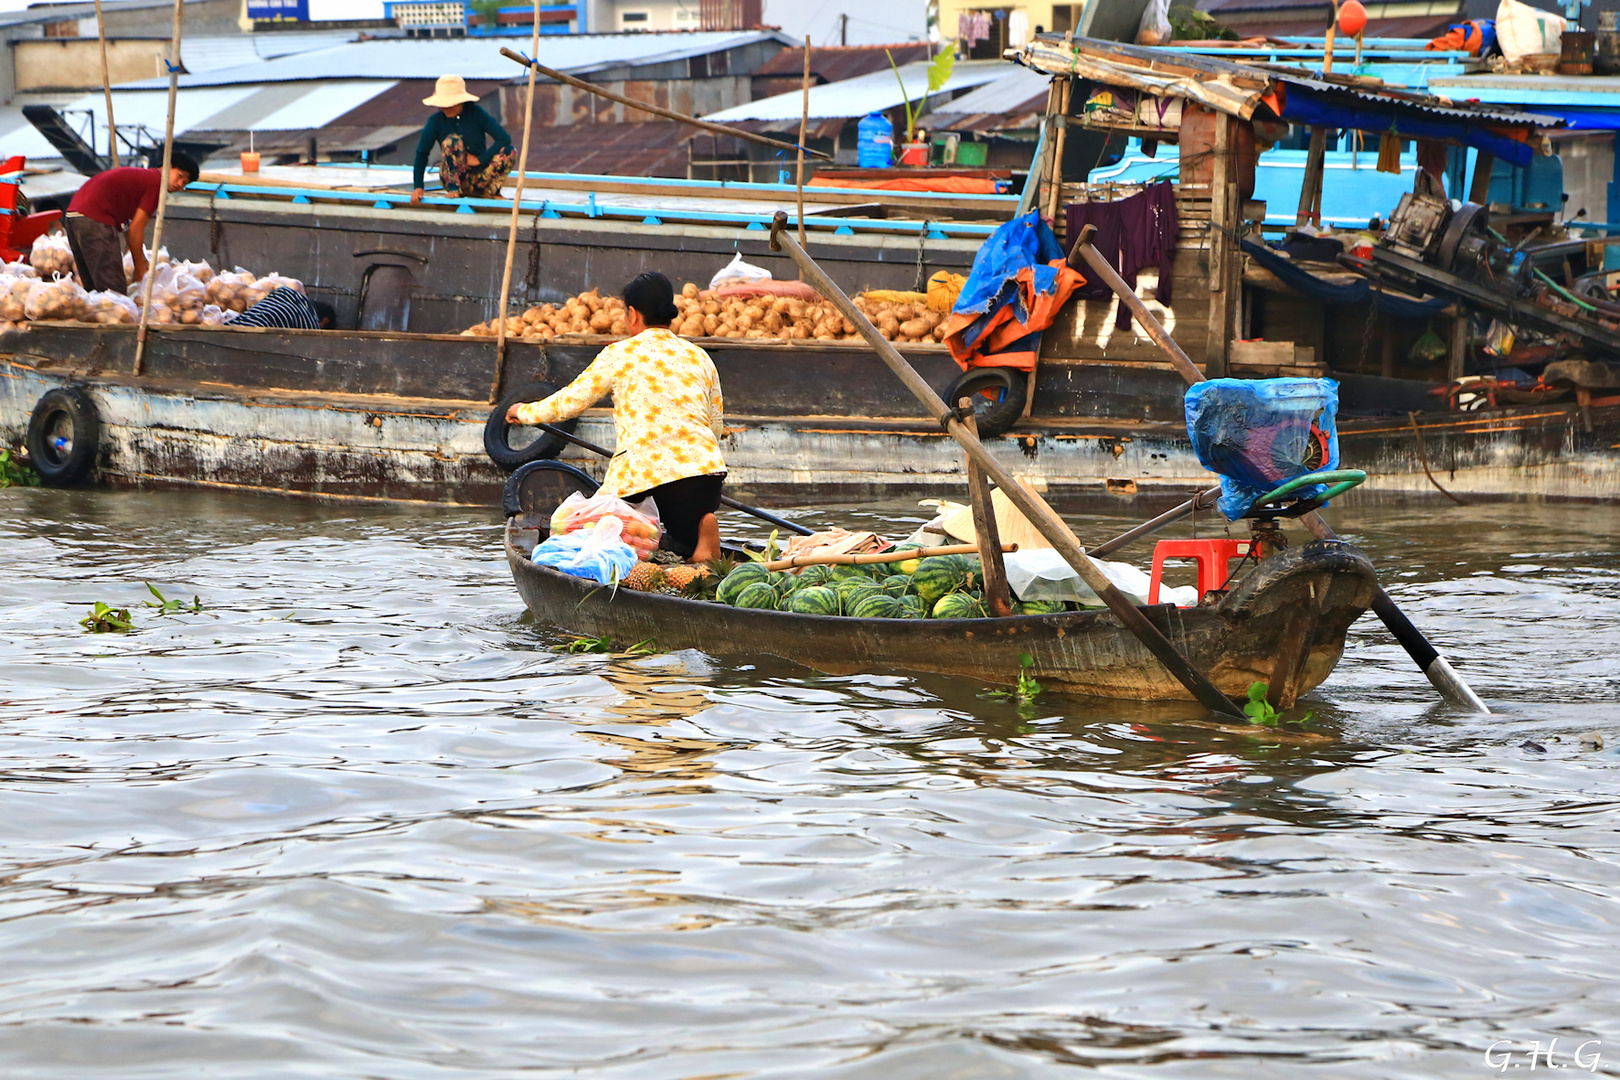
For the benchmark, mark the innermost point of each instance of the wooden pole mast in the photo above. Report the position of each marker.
(512, 230)
(163, 189)
(106, 88)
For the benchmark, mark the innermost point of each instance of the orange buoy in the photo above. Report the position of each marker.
(1352, 18)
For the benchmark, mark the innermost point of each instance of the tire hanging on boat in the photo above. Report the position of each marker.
(497, 431)
(539, 487)
(997, 393)
(64, 434)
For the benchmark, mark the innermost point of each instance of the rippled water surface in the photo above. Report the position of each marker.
(359, 818)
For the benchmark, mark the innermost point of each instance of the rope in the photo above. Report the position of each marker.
(1423, 457)
(531, 277)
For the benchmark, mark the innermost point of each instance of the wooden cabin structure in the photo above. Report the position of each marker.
(1218, 116)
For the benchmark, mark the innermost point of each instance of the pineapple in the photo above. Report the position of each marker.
(679, 577)
(645, 576)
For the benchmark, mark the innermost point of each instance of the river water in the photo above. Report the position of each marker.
(357, 817)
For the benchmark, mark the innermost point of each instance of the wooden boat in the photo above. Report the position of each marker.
(1284, 624)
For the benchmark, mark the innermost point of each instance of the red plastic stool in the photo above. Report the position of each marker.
(1212, 556)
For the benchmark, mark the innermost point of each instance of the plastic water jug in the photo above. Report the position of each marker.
(874, 142)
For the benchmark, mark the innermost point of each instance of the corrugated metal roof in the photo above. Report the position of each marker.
(876, 92)
(1234, 88)
(201, 54)
(1010, 93)
(321, 105)
(472, 58)
(838, 62)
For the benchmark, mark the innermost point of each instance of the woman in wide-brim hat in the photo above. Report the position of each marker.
(478, 152)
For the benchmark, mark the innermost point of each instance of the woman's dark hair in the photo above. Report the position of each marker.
(653, 296)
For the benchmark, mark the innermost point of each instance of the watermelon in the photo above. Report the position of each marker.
(816, 575)
(914, 606)
(756, 594)
(740, 578)
(1039, 607)
(853, 593)
(783, 582)
(880, 605)
(839, 574)
(897, 584)
(813, 600)
(907, 566)
(938, 575)
(958, 606)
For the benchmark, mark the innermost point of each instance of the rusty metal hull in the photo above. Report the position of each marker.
(400, 417)
(1285, 622)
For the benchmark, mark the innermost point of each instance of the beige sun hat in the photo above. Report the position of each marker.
(449, 90)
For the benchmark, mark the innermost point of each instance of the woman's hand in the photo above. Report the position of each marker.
(471, 160)
(512, 414)
(416, 197)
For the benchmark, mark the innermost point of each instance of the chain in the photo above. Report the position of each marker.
(216, 231)
(531, 279)
(1366, 338)
(921, 237)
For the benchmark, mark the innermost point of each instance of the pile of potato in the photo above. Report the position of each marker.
(706, 314)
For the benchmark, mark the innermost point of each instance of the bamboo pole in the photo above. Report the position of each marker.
(1434, 666)
(804, 127)
(106, 88)
(648, 107)
(869, 558)
(1047, 523)
(163, 190)
(997, 595)
(512, 230)
(1055, 201)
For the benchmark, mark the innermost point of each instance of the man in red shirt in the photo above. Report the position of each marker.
(101, 209)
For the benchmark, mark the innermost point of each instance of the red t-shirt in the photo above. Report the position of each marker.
(113, 197)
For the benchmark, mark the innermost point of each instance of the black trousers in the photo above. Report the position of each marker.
(97, 252)
(682, 506)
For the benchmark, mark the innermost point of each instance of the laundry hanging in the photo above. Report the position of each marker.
(1133, 234)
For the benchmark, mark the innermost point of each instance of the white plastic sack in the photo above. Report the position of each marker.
(1522, 30)
(596, 553)
(1154, 29)
(737, 272)
(1041, 574)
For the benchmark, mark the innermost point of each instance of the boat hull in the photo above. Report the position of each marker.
(400, 417)
(1285, 624)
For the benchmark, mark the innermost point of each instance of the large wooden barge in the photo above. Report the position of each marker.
(396, 408)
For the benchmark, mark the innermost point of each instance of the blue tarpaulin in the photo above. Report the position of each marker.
(1256, 433)
(1303, 106)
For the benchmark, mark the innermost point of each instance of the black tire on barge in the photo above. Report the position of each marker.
(64, 433)
(997, 393)
(497, 431)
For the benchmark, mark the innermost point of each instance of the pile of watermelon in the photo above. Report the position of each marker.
(938, 587)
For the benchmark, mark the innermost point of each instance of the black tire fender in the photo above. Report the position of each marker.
(538, 488)
(64, 435)
(1004, 407)
(497, 430)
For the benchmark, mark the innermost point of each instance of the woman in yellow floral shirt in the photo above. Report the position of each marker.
(666, 418)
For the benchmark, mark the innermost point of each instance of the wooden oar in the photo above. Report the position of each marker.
(1204, 500)
(867, 558)
(1426, 656)
(1039, 514)
(765, 516)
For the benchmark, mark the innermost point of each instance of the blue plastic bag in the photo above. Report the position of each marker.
(596, 553)
(1256, 434)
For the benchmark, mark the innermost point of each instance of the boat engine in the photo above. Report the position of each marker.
(1455, 241)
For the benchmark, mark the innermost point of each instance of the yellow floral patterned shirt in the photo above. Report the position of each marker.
(666, 409)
